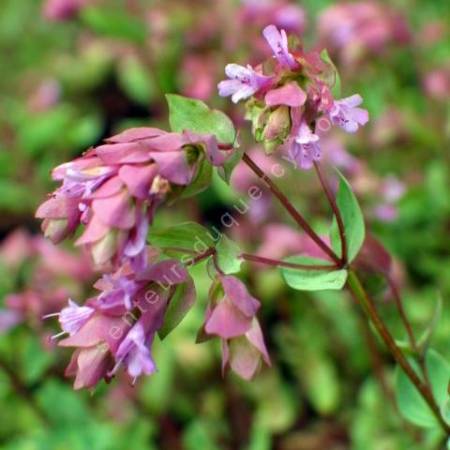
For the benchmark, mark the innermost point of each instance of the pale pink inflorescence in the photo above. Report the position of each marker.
(293, 106)
(111, 193)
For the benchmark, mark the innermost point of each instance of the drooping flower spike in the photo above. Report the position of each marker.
(117, 327)
(114, 190)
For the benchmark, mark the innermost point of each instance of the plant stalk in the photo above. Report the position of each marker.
(299, 219)
(358, 292)
(289, 265)
(336, 212)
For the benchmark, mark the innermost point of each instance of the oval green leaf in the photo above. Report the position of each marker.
(352, 218)
(313, 279)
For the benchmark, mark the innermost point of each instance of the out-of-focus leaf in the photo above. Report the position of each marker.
(85, 131)
(311, 279)
(157, 391)
(136, 81)
(198, 435)
(42, 131)
(411, 404)
(228, 255)
(277, 406)
(424, 339)
(194, 115)
(114, 23)
(336, 89)
(62, 404)
(34, 359)
(201, 181)
(322, 383)
(439, 375)
(352, 218)
(179, 305)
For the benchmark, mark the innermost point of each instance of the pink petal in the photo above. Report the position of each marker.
(135, 134)
(108, 188)
(291, 95)
(95, 230)
(256, 338)
(236, 291)
(116, 211)
(93, 364)
(244, 358)
(227, 321)
(173, 166)
(165, 142)
(126, 153)
(99, 328)
(138, 179)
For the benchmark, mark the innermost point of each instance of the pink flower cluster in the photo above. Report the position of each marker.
(112, 192)
(53, 274)
(355, 28)
(293, 105)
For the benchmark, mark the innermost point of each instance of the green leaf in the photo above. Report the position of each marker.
(115, 24)
(411, 404)
(321, 380)
(228, 256)
(186, 235)
(424, 339)
(312, 279)
(439, 375)
(352, 218)
(200, 433)
(336, 79)
(135, 80)
(194, 115)
(230, 164)
(201, 181)
(445, 409)
(179, 305)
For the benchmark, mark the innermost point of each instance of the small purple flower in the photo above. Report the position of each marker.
(134, 353)
(346, 114)
(278, 41)
(243, 82)
(304, 148)
(72, 318)
(118, 291)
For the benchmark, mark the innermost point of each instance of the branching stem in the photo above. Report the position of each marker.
(336, 212)
(299, 219)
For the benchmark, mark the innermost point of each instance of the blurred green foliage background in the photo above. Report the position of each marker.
(67, 84)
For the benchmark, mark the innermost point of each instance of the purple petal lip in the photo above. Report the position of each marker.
(278, 42)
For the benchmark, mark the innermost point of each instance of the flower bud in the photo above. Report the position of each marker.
(277, 128)
(103, 250)
(55, 229)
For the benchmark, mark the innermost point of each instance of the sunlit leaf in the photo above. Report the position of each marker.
(352, 218)
(194, 115)
(313, 279)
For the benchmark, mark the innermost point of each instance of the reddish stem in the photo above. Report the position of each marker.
(336, 212)
(300, 220)
(278, 263)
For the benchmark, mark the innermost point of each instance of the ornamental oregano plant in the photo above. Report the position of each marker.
(111, 194)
